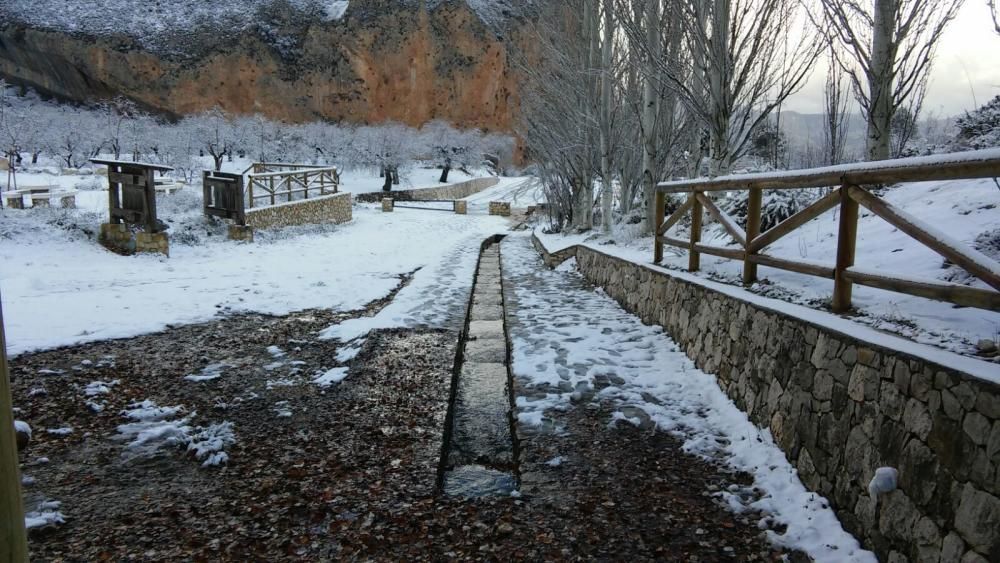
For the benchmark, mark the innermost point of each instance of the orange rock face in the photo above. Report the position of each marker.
(407, 66)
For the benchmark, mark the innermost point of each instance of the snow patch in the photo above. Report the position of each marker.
(331, 377)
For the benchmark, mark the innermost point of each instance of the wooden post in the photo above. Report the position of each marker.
(846, 245)
(13, 541)
(697, 214)
(250, 191)
(660, 201)
(150, 197)
(114, 200)
(271, 180)
(756, 198)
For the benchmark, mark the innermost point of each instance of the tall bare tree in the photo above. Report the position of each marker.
(888, 49)
(745, 59)
(606, 114)
(993, 12)
(835, 104)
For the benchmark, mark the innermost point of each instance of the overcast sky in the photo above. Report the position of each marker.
(966, 70)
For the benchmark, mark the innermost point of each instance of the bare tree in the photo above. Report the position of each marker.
(993, 12)
(835, 103)
(744, 61)
(888, 49)
(606, 114)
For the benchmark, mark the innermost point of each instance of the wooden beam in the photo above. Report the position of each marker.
(727, 222)
(755, 200)
(676, 216)
(659, 209)
(674, 241)
(824, 204)
(964, 167)
(731, 253)
(973, 262)
(931, 289)
(794, 266)
(846, 245)
(13, 540)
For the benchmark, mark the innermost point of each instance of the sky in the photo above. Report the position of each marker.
(965, 74)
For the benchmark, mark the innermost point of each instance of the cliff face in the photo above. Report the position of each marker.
(406, 63)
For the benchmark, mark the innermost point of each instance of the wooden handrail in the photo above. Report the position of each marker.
(960, 166)
(848, 196)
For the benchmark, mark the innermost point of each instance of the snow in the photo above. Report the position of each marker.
(157, 25)
(96, 388)
(61, 288)
(331, 377)
(22, 427)
(884, 481)
(520, 192)
(45, 514)
(208, 373)
(62, 431)
(207, 444)
(960, 211)
(158, 427)
(568, 338)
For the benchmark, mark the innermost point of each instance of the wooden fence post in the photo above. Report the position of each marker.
(660, 201)
(754, 203)
(697, 214)
(846, 246)
(13, 541)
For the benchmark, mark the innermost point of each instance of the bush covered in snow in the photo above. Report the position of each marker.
(980, 129)
(777, 205)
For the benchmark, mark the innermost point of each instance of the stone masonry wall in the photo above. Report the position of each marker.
(326, 209)
(840, 408)
(454, 191)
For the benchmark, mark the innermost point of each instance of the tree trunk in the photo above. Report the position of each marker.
(444, 171)
(607, 184)
(650, 110)
(395, 175)
(218, 161)
(880, 80)
(720, 89)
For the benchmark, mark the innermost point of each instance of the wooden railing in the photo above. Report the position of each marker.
(271, 186)
(848, 193)
(265, 167)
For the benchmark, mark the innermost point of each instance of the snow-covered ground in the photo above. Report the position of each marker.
(565, 335)
(963, 210)
(59, 287)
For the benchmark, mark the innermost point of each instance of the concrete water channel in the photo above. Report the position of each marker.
(480, 456)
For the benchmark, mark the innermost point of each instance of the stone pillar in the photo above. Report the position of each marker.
(241, 233)
(461, 207)
(152, 242)
(387, 205)
(501, 208)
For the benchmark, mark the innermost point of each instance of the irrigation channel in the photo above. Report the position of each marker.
(480, 446)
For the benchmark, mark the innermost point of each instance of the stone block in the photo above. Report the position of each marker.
(461, 207)
(387, 205)
(486, 329)
(156, 243)
(500, 208)
(486, 350)
(978, 519)
(15, 202)
(240, 233)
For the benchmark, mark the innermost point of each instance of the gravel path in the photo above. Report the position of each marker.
(350, 470)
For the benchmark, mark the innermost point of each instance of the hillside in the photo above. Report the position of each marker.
(296, 60)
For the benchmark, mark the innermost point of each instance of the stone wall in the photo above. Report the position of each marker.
(454, 191)
(840, 407)
(326, 209)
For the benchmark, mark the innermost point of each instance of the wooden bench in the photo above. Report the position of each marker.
(168, 185)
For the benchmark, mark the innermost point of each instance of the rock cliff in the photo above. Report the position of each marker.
(404, 60)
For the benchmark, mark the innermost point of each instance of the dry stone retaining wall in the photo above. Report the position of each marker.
(840, 408)
(454, 191)
(326, 209)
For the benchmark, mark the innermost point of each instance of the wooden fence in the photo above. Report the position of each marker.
(266, 167)
(223, 196)
(848, 194)
(272, 187)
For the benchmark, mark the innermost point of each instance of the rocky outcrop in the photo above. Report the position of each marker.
(398, 61)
